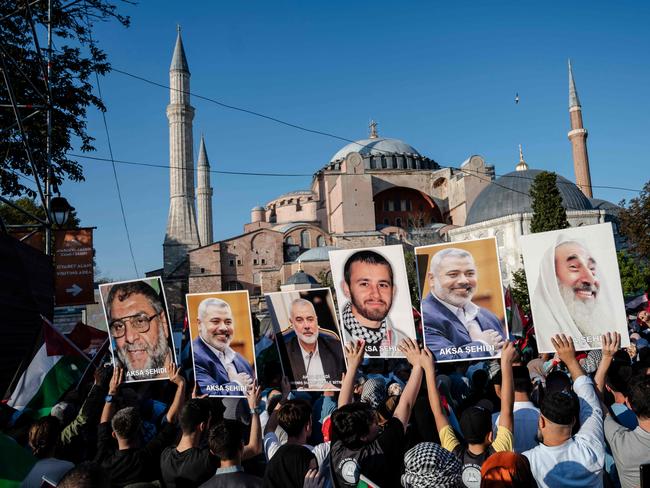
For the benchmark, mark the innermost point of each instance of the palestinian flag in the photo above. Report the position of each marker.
(15, 463)
(57, 366)
(516, 319)
(366, 483)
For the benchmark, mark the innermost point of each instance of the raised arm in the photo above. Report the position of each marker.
(179, 398)
(113, 387)
(428, 364)
(610, 344)
(508, 356)
(566, 351)
(406, 401)
(354, 351)
(272, 423)
(254, 446)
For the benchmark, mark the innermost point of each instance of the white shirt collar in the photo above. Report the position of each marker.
(465, 314)
(305, 353)
(226, 357)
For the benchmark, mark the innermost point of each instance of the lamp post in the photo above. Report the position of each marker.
(60, 210)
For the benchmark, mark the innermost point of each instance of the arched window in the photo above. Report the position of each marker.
(305, 242)
(289, 240)
(320, 241)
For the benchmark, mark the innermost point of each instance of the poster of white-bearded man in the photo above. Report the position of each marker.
(574, 286)
(373, 298)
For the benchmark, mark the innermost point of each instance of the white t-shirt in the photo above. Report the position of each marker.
(313, 367)
(580, 461)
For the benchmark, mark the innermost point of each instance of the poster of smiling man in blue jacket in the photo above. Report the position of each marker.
(460, 319)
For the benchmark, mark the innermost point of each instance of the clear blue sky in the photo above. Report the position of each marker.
(441, 76)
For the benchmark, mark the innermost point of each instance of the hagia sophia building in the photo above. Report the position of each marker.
(373, 192)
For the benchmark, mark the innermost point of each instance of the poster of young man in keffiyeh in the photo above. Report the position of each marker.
(223, 348)
(462, 304)
(138, 324)
(373, 298)
(574, 285)
(308, 338)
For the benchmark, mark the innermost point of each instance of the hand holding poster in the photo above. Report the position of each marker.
(308, 338)
(138, 324)
(373, 298)
(574, 286)
(462, 306)
(222, 342)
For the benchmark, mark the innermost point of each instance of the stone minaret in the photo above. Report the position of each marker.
(182, 234)
(578, 137)
(204, 196)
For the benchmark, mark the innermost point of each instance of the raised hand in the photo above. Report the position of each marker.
(285, 387)
(411, 350)
(427, 360)
(116, 380)
(354, 353)
(509, 354)
(174, 373)
(312, 479)
(243, 379)
(564, 347)
(253, 393)
(611, 342)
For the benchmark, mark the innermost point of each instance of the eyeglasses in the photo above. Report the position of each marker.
(140, 322)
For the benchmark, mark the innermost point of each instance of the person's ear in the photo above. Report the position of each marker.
(345, 288)
(541, 422)
(497, 390)
(113, 435)
(432, 280)
(490, 437)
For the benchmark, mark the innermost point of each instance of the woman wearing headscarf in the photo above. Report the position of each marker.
(288, 467)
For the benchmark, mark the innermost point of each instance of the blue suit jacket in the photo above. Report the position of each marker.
(210, 372)
(442, 330)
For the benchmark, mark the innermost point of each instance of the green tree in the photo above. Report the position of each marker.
(548, 212)
(74, 60)
(634, 219)
(635, 274)
(11, 216)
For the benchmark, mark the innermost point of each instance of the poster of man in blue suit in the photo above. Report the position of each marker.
(462, 304)
(222, 343)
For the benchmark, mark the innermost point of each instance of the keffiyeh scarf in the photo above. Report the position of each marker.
(428, 464)
(358, 331)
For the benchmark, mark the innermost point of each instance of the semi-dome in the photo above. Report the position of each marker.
(375, 146)
(301, 278)
(510, 194)
(320, 253)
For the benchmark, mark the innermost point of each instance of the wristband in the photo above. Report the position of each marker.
(257, 410)
(108, 398)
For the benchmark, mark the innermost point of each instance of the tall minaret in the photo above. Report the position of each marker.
(182, 234)
(204, 197)
(578, 137)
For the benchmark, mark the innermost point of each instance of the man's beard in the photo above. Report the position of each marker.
(308, 339)
(587, 315)
(156, 355)
(218, 345)
(376, 315)
(449, 297)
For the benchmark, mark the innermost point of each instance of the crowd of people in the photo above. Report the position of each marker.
(569, 419)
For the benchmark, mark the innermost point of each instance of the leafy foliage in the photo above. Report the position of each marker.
(11, 216)
(75, 57)
(635, 274)
(519, 289)
(548, 212)
(634, 218)
(412, 275)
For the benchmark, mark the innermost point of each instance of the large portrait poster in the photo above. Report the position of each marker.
(223, 348)
(138, 324)
(462, 303)
(308, 338)
(574, 285)
(373, 298)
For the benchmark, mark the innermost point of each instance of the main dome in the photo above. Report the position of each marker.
(510, 194)
(378, 146)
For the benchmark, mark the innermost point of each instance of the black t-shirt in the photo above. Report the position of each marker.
(187, 469)
(472, 464)
(380, 461)
(132, 465)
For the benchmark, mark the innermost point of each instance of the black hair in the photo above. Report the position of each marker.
(368, 257)
(351, 422)
(44, 436)
(293, 416)
(122, 291)
(618, 378)
(521, 379)
(225, 439)
(126, 423)
(639, 396)
(195, 412)
(560, 407)
(85, 475)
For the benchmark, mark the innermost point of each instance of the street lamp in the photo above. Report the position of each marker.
(60, 210)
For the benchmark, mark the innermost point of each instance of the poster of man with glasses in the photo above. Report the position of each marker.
(138, 323)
